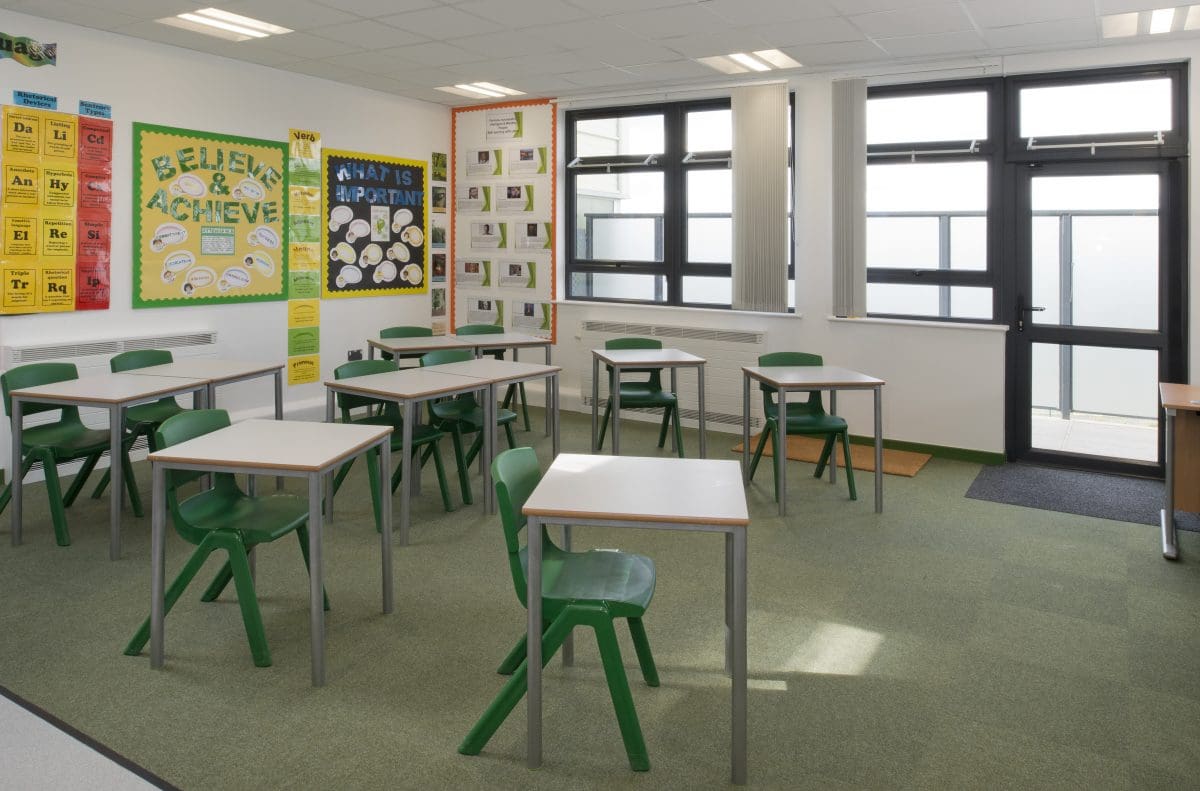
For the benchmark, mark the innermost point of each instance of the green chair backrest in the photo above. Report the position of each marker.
(655, 374)
(515, 474)
(347, 402)
(443, 356)
(406, 331)
(811, 407)
(180, 428)
(479, 329)
(35, 374)
(139, 358)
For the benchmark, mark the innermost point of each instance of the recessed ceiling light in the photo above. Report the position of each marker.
(749, 62)
(481, 90)
(1119, 25)
(223, 24)
(741, 62)
(1160, 20)
(777, 59)
(723, 64)
(1193, 18)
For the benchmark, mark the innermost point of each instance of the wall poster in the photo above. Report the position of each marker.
(304, 277)
(373, 231)
(209, 220)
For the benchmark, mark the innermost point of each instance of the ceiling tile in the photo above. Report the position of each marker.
(705, 44)
(1121, 6)
(165, 34)
(376, 82)
(367, 34)
(294, 14)
(606, 7)
(829, 54)
(142, 9)
(936, 44)
(814, 31)
(321, 68)
(75, 14)
(988, 13)
(506, 44)
(439, 53)
(524, 13)
(305, 46)
(1043, 33)
(768, 12)
(925, 20)
(500, 70)
(668, 22)
(380, 61)
(683, 69)
(442, 22)
(578, 35)
(557, 62)
(375, 8)
(630, 53)
(429, 78)
(600, 78)
(851, 7)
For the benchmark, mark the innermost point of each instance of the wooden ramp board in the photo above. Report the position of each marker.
(895, 462)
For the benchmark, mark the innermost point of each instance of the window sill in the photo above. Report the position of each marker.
(951, 325)
(641, 306)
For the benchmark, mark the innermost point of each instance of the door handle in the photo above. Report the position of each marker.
(1022, 309)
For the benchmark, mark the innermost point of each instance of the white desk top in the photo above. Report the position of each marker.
(664, 358)
(423, 344)
(810, 376)
(488, 369)
(208, 369)
(407, 383)
(683, 491)
(275, 445)
(505, 340)
(1177, 396)
(110, 389)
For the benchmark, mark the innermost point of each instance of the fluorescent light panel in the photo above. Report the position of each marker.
(742, 62)
(223, 24)
(1154, 23)
(1160, 20)
(1119, 25)
(750, 62)
(481, 90)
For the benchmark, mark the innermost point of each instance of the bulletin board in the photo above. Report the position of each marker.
(55, 210)
(502, 222)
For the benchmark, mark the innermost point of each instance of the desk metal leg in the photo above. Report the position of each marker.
(595, 399)
(675, 392)
(833, 450)
(779, 452)
(616, 410)
(703, 431)
(385, 514)
(316, 576)
(370, 351)
(279, 412)
(548, 395)
(878, 450)
(729, 604)
(406, 471)
(568, 646)
(329, 399)
(18, 471)
(738, 747)
(117, 494)
(158, 533)
(552, 424)
(489, 449)
(1170, 548)
(745, 430)
(533, 646)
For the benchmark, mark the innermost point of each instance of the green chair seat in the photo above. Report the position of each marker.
(814, 424)
(257, 520)
(648, 394)
(67, 441)
(153, 413)
(578, 589)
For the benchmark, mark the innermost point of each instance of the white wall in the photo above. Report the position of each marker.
(178, 87)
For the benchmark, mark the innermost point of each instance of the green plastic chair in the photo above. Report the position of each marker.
(803, 417)
(463, 414)
(578, 589)
(404, 331)
(513, 389)
(424, 436)
(223, 518)
(143, 419)
(648, 394)
(66, 439)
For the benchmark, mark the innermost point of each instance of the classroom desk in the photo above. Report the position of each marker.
(403, 347)
(802, 378)
(219, 372)
(516, 341)
(1181, 403)
(620, 359)
(280, 448)
(114, 392)
(658, 493)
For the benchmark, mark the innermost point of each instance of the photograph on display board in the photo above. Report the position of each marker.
(437, 268)
(527, 159)
(437, 200)
(488, 235)
(437, 164)
(374, 225)
(532, 235)
(484, 162)
(474, 198)
(530, 316)
(473, 272)
(210, 216)
(514, 197)
(517, 274)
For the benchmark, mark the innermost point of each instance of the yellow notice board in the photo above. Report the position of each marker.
(304, 370)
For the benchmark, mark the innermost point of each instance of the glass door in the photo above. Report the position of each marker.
(1095, 325)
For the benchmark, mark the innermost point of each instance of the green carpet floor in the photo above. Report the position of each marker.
(947, 644)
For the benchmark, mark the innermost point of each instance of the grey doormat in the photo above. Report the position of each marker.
(1073, 492)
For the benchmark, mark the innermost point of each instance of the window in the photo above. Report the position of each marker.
(650, 194)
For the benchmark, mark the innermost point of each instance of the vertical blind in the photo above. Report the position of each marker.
(850, 198)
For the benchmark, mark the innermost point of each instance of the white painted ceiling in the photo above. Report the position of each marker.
(575, 47)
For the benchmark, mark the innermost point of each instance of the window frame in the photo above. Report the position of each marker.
(675, 265)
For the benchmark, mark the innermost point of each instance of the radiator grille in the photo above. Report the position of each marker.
(19, 355)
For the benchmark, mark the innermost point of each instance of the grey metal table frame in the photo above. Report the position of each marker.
(116, 426)
(735, 623)
(755, 373)
(509, 340)
(316, 575)
(615, 391)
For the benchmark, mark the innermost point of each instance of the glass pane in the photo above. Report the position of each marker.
(1099, 108)
(927, 187)
(708, 290)
(961, 302)
(1111, 276)
(902, 242)
(968, 243)
(915, 119)
(635, 134)
(1096, 400)
(619, 217)
(710, 130)
(709, 237)
(605, 285)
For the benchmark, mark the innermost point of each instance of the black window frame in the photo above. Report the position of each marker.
(671, 163)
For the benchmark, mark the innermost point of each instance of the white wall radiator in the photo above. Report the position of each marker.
(726, 351)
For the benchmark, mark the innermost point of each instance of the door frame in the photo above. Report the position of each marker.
(1170, 339)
